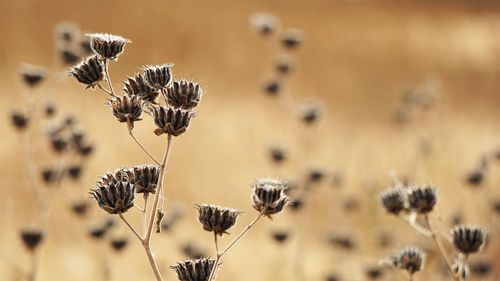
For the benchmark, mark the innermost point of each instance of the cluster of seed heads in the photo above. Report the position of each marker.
(418, 199)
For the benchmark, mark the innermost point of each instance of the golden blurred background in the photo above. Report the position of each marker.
(357, 61)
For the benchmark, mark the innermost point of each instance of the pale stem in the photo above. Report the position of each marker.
(442, 251)
(242, 234)
(130, 227)
(164, 94)
(13, 266)
(108, 79)
(214, 269)
(412, 221)
(144, 214)
(105, 90)
(130, 132)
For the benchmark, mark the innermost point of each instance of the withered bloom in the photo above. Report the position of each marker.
(393, 200)
(159, 76)
(422, 199)
(145, 178)
(32, 75)
(108, 46)
(410, 259)
(115, 177)
(89, 72)
(31, 238)
(194, 270)
(216, 219)
(19, 120)
(468, 239)
(184, 94)
(127, 109)
(115, 197)
(269, 196)
(170, 120)
(137, 86)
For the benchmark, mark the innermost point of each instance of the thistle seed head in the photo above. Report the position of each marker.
(159, 76)
(216, 219)
(468, 239)
(184, 94)
(410, 259)
(145, 178)
(137, 86)
(115, 197)
(107, 46)
(31, 238)
(393, 200)
(422, 199)
(171, 120)
(127, 109)
(19, 120)
(194, 270)
(269, 196)
(89, 72)
(32, 75)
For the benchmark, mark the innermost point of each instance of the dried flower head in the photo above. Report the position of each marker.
(264, 24)
(184, 94)
(80, 208)
(98, 232)
(127, 109)
(137, 86)
(284, 65)
(89, 72)
(272, 87)
(410, 259)
(32, 75)
(422, 199)
(145, 178)
(280, 236)
(216, 219)
(31, 238)
(107, 46)
(159, 76)
(67, 33)
(475, 178)
(58, 144)
(194, 270)
(69, 56)
(393, 200)
(119, 244)
(19, 120)
(74, 171)
(50, 175)
(277, 154)
(115, 197)
(170, 120)
(192, 251)
(269, 196)
(310, 113)
(291, 38)
(118, 175)
(468, 239)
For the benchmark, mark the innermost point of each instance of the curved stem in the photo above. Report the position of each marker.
(130, 227)
(152, 261)
(108, 79)
(105, 90)
(442, 251)
(130, 132)
(249, 226)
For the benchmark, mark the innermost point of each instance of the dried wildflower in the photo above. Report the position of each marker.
(69, 56)
(80, 208)
(172, 121)
(393, 200)
(32, 238)
(272, 87)
(74, 171)
(107, 46)
(159, 76)
(137, 86)
(277, 153)
(468, 239)
(119, 244)
(291, 38)
(97, 232)
(89, 72)
(58, 144)
(264, 24)
(269, 196)
(119, 175)
(127, 109)
(191, 251)
(194, 270)
(310, 113)
(216, 219)
(410, 259)
(19, 120)
(145, 178)
(115, 197)
(280, 236)
(422, 199)
(184, 94)
(32, 75)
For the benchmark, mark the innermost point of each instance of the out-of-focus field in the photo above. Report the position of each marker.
(357, 60)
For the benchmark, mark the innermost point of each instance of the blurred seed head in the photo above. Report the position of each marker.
(50, 175)
(475, 178)
(216, 219)
(480, 268)
(468, 239)
(31, 238)
(315, 175)
(310, 113)
(296, 204)
(332, 277)
(80, 208)
(269, 196)
(114, 197)
(19, 120)
(277, 154)
(184, 94)
(158, 76)
(191, 251)
(137, 86)
(119, 244)
(374, 273)
(292, 38)
(74, 171)
(280, 236)
(344, 242)
(284, 65)
(172, 218)
(58, 144)
(85, 47)
(422, 199)
(127, 109)
(32, 75)
(411, 259)
(50, 110)
(67, 33)
(393, 200)
(264, 24)
(171, 120)
(194, 270)
(272, 87)
(107, 46)
(69, 56)
(98, 233)
(89, 72)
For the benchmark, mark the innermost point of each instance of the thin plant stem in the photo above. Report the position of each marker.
(442, 251)
(131, 133)
(130, 227)
(34, 260)
(411, 220)
(108, 79)
(7, 261)
(217, 259)
(144, 214)
(105, 90)
(249, 226)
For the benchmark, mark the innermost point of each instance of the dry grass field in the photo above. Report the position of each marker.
(357, 61)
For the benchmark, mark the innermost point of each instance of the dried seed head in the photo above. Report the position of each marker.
(19, 120)
(277, 154)
(374, 273)
(85, 150)
(90, 71)
(184, 94)
(468, 239)
(410, 259)
(32, 75)
(80, 208)
(137, 86)
(315, 175)
(119, 175)
(50, 175)
(145, 178)
(475, 178)
(284, 65)
(393, 200)
(67, 33)
(280, 236)
(194, 270)
(74, 172)
(69, 56)
(291, 38)
(272, 87)
(269, 196)
(422, 199)
(119, 244)
(159, 76)
(191, 251)
(216, 219)
(98, 232)
(115, 197)
(107, 46)
(264, 24)
(31, 238)
(171, 120)
(127, 109)
(58, 144)
(310, 113)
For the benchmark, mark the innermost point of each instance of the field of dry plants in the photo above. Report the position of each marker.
(250, 140)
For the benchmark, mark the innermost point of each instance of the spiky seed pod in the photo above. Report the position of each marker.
(80, 208)
(393, 200)
(127, 109)
(145, 178)
(410, 259)
(32, 75)
(98, 232)
(171, 120)
(277, 154)
(184, 94)
(90, 71)
(31, 238)
(115, 198)
(468, 239)
(69, 56)
(137, 86)
(19, 120)
(216, 219)
(119, 244)
(159, 76)
(272, 87)
(280, 236)
(194, 270)
(264, 24)
(291, 38)
(107, 46)
(119, 175)
(309, 114)
(422, 199)
(269, 196)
